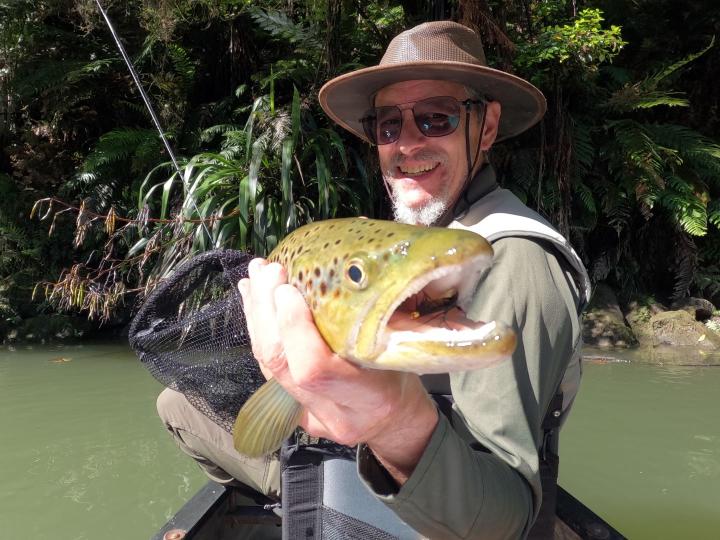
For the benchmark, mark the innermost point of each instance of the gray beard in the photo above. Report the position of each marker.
(426, 215)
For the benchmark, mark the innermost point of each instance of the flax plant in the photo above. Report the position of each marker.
(278, 171)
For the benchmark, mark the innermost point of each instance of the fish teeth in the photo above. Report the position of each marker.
(422, 281)
(446, 335)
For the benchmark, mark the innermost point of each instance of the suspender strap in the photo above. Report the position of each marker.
(551, 425)
(445, 404)
(544, 525)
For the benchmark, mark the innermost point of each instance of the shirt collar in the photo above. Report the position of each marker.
(482, 183)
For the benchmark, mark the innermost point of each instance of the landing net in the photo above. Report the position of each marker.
(192, 336)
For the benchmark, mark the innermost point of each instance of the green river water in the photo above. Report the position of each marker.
(84, 457)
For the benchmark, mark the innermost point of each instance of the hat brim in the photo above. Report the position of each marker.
(347, 98)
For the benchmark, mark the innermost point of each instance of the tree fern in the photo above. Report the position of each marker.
(685, 265)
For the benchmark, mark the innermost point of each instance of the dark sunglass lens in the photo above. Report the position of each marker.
(388, 124)
(369, 124)
(436, 117)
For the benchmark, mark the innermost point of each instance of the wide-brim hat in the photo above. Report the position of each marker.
(440, 50)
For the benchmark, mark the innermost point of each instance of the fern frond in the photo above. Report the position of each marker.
(583, 148)
(208, 134)
(118, 145)
(89, 69)
(618, 209)
(713, 212)
(45, 75)
(641, 155)
(656, 99)
(694, 149)
(707, 279)
(653, 81)
(646, 95)
(634, 97)
(278, 24)
(182, 63)
(586, 196)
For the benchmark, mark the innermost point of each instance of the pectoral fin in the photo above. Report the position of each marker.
(266, 420)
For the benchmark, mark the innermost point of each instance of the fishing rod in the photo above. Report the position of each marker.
(149, 107)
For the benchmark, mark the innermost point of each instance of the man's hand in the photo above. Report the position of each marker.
(389, 411)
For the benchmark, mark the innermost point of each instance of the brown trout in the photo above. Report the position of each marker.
(383, 295)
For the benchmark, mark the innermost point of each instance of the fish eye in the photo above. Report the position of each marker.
(355, 273)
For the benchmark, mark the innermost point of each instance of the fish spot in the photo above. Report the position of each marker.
(309, 285)
(327, 245)
(386, 256)
(323, 288)
(336, 294)
(317, 272)
(300, 275)
(390, 234)
(361, 237)
(335, 260)
(332, 272)
(337, 242)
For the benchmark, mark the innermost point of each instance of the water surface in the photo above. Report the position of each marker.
(84, 456)
(642, 449)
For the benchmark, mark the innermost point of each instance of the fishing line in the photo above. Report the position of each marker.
(149, 107)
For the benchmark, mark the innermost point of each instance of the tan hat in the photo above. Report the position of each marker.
(441, 50)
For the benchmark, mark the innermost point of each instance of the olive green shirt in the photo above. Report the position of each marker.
(462, 489)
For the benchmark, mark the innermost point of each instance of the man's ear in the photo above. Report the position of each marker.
(492, 121)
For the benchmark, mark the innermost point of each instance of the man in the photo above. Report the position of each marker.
(434, 109)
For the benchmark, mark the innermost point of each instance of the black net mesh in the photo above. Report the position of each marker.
(191, 334)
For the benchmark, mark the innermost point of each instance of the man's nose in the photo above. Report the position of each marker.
(410, 136)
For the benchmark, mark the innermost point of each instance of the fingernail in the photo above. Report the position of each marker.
(255, 265)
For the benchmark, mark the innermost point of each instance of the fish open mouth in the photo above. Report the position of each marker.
(428, 308)
(427, 320)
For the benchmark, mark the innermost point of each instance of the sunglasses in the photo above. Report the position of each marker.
(434, 117)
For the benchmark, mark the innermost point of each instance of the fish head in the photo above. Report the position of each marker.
(387, 295)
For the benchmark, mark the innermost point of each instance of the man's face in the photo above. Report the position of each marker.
(427, 174)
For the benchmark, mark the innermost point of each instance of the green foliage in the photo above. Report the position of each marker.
(581, 43)
(626, 162)
(279, 171)
(140, 148)
(612, 157)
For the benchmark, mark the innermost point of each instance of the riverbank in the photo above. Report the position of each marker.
(683, 333)
(644, 331)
